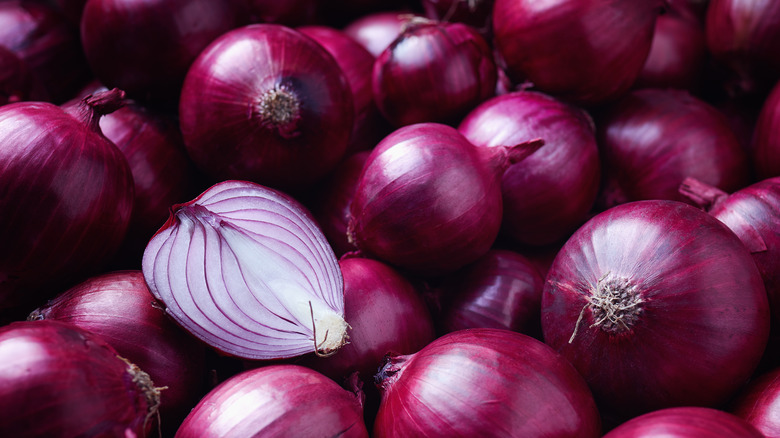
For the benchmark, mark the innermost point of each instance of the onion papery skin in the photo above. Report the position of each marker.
(427, 200)
(685, 422)
(118, 307)
(584, 51)
(652, 139)
(433, 72)
(548, 195)
(49, 47)
(57, 380)
(759, 402)
(276, 401)
(744, 36)
(484, 382)
(67, 197)
(15, 79)
(145, 48)
(502, 290)
(246, 269)
(765, 148)
(267, 104)
(657, 304)
(376, 31)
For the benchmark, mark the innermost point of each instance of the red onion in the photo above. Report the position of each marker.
(685, 422)
(376, 31)
(276, 400)
(586, 51)
(502, 290)
(429, 201)
(246, 269)
(475, 13)
(15, 81)
(657, 304)
(759, 403)
(753, 214)
(547, 196)
(765, 148)
(266, 103)
(652, 139)
(57, 380)
(46, 42)
(118, 307)
(744, 36)
(433, 72)
(145, 48)
(484, 382)
(67, 196)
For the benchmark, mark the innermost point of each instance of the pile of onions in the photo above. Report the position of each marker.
(657, 304)
(246, 269)
(57, 380)
(277, 400)
(484, 382)
(67, 196)
(759, 403)
(686, 422)
(765, 149)
(267, 104)
(549, 194)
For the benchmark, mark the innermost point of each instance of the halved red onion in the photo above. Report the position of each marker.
(685, 422)
(484, 382)
(246, 269)
(276, 401)
(765, 148)
(266, 103)
(657, 304)
(759, 403)
(377, 30)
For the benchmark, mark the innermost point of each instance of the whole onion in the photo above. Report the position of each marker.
(428, 200)
(759, 403)
(67, 196)
(118, 307)
(57, 380)
(377, 30)
(246, 269)
(146, 47)
(657, 304)
(433, 72)
(268, 104)
(276, 401)
(685, 422)
(765, 147)
(652, 139)
(547, 196)
(585, 51)
(484, 382)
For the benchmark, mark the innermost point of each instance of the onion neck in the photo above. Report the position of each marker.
(615, 304)
(706, 196)
(90, 109)
(390, 371)
(501, 157)
(279, 108)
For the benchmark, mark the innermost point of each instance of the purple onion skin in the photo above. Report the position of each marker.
(57, 380)
(146, 48)
(376, 31)
(433, 72)
(759, 402)
(693, 320)
(118, 307)
(276, 401)
(686, 422)
(765, 147)
(548, 195)
(652, 139)
(584, 51)
(484, 382)
(229, 135)
(501, 290)
(67, 200)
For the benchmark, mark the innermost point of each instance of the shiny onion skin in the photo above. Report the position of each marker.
(429, 201)
(759, 403)
(657, 304)
(548, 195)
(502, 290)
(484, 382)
(276, 401)
(146, 47)
(267, 104)
(59, 381)
(765, 147)
(652, 139)
(246, 269)
(118, 307)
(67, 196)
(433, 72)
(584, 51)
(685, 422)
(376, 31)
(744, 36)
